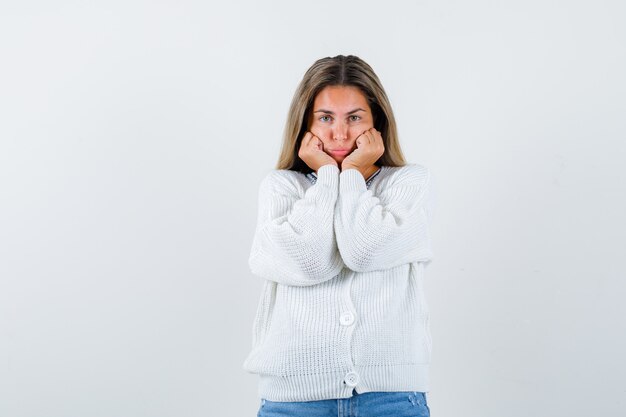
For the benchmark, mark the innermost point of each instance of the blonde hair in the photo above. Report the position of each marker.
(345, 71)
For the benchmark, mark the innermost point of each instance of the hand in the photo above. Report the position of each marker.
(312, 152)
(370, 148)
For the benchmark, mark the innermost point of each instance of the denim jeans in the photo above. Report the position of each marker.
(367, 404)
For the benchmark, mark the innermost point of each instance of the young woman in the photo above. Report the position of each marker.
(342, 242)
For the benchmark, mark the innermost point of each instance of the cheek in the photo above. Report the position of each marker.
(321, 130)
(356, 131)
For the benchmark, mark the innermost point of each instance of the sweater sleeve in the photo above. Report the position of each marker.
(383, 231)
(294, 241)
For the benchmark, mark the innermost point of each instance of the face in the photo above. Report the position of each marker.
(339, 115)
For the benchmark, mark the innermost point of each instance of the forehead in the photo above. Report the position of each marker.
(340, 97)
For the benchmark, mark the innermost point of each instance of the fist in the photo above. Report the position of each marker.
(312, 152)
(369, 149)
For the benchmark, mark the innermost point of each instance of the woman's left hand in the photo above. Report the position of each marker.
(370, 147)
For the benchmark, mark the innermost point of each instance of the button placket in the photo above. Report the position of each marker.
(351, 379)
(346, 318)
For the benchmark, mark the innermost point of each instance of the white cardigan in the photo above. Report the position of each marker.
(342, 305)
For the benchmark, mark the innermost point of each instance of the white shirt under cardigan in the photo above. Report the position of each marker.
(342, 306)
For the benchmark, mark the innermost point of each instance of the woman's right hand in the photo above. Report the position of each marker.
(312, 152)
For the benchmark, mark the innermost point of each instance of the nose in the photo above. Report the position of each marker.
(340, 131)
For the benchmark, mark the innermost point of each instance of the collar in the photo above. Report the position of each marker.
(312, 176)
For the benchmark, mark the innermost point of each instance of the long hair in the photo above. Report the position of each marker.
(344, 71)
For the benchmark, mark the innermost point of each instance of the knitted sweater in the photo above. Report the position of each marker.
(342, 306)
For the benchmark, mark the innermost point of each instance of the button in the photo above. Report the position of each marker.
(346, 318)
(351, 379)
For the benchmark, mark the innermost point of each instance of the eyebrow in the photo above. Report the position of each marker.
(330, 112)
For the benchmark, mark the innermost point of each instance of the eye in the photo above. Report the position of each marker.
(325, 118)
(355, 118)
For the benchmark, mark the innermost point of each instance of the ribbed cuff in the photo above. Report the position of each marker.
(328, 175)
(351, 180)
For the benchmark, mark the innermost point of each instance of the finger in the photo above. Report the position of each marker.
(362, 138)
(315, 141)
(366, 137)
(305, 139)
(318, 143)
(377, 136)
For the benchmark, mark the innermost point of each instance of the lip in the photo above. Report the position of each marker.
(340, 151)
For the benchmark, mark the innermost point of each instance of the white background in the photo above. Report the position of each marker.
(133, 136)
